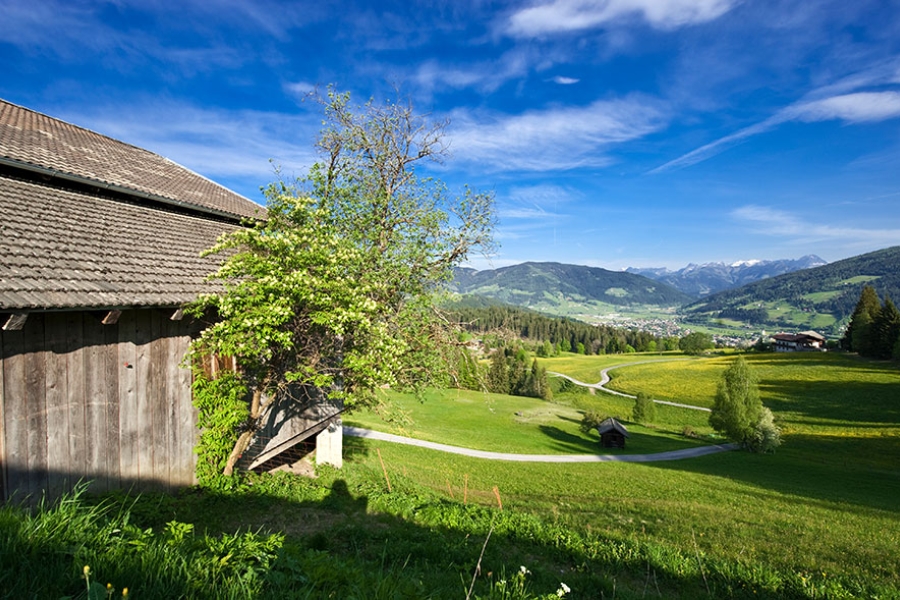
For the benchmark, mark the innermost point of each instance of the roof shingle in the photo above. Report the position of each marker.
(66, 249)
(35, 139)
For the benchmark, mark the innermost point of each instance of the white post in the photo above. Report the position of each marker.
(330, 445)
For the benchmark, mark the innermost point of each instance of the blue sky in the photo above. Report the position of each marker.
(614, 133)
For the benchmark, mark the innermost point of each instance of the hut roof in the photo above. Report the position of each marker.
(610, 425)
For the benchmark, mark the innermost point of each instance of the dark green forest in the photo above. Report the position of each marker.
(481, 315)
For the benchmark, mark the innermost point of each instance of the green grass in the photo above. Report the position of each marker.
(818, 519)
(500, 423)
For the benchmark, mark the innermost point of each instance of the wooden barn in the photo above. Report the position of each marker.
(100, 247)
(612, 433)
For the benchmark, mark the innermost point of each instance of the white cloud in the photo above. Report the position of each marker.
(487, 76)
(858, 107)
(559, 16)
(220, 144)
(552, 139)
(300, 89)
(565, 80)
(778, 223)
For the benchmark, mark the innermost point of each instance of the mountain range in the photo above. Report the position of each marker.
(819, 297)
(709, 278)
(539, 284)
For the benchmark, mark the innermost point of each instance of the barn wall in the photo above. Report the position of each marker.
(105, 403)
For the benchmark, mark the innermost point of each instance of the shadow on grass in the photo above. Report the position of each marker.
(828, 469)
(347, 535)
(342, 538)
(849, 401)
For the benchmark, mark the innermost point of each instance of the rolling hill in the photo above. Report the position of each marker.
(820, 298)
(553, 287)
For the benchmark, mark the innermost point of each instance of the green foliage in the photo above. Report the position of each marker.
(509, 374)
(221, 410)
(335, 290)
(590, 421)
(766, 435)
(696, 342)
(737, 407)
(857, 336)
(644, 409)
(874, 328)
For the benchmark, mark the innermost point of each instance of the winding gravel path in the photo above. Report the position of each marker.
(604, 379)
(545, 458)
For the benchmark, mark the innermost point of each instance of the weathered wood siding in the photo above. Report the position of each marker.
(106, 403)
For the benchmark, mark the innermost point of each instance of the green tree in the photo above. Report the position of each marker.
(737, 406)
(644, 409)
(331, 296)
(885, 330)
(766, 436)
(590, 420)
(857, 337)
(696, 342)
(498, 373)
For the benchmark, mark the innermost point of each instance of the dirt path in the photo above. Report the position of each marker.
(546, 458)
(604, 379)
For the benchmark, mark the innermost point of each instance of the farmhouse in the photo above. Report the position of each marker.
(612, 433)
(805, 341)
(100, 247)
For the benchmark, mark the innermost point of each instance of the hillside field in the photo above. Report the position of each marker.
(818, 519)
(825, 505)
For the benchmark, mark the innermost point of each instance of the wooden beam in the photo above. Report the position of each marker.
(177, 315)
(15, 322)
(112, 317)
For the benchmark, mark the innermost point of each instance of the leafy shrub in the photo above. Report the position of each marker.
(644, 409)
(590, 420)
(766, 434)
(688, 431)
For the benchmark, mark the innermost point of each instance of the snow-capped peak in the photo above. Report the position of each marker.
(746, 263)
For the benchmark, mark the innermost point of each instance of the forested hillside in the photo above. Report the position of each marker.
(480, 315)
(822, 298)
(530, 283)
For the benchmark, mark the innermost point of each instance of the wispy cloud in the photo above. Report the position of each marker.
(220, 144)
(553, 139)
(565, 80)
(853, 108)
(859, 107)
(484, 75)
(778, 223)
(560, 16)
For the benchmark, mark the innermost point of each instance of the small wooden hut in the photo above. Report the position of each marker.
(612, 433)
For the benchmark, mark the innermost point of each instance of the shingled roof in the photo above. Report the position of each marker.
(30, 139)
(90, 222)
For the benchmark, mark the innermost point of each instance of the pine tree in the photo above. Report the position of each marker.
(885, 330)
(857, 337)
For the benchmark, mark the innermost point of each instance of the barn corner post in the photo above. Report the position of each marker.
(330, 443)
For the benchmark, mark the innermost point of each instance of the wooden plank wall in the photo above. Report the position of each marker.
(80, 400)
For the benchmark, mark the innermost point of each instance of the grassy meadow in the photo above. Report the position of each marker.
(818, 519)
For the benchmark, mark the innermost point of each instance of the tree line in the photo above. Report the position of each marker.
(874, 328)
(555, 334)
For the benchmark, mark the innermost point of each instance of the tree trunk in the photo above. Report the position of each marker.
(244, 440)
